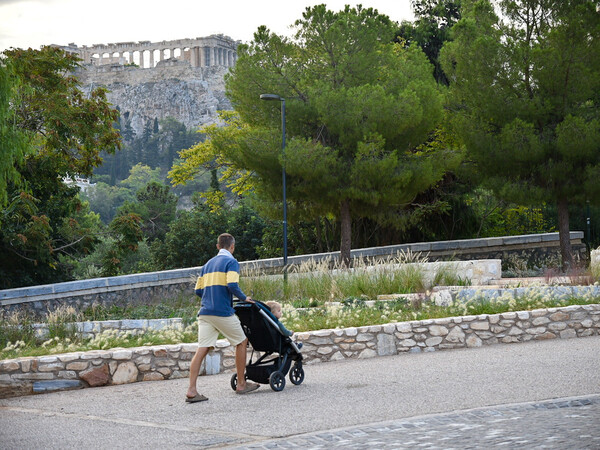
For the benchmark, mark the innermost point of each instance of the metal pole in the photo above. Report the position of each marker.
(285, 249)
(589, 228)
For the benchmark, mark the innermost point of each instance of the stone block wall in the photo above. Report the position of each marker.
(135, 326)
(126, 290)
(595, 260)
(452, 332)
(24, 376)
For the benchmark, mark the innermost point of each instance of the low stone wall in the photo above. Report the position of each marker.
(125, 290)
(448, 295)
(452, 332)
(118, 366)
(91, 329)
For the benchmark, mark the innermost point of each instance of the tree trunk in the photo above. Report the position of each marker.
(346, 229)
(564, 234)
(329, 238)
(298, 232)
(319, 235)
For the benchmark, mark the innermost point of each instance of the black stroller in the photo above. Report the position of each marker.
(266, 334)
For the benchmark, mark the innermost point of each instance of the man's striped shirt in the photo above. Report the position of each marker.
(218, 283)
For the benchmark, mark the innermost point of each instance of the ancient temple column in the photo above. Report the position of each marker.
(198, 52)
(203, 56)
(193, 57)
(151, 59)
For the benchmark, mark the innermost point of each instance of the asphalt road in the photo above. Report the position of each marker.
(532, 395)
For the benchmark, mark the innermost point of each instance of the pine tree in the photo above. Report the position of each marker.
(358, 107)
(524, 91)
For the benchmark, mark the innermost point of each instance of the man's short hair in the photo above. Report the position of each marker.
(225, 240)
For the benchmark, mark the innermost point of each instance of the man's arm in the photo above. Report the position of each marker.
(233, 278)
(199, 289)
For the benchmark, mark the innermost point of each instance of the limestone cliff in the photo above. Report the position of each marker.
(191, 95)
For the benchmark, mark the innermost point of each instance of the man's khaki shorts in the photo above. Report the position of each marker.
(210, 326)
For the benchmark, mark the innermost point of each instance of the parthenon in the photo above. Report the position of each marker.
(214, 50)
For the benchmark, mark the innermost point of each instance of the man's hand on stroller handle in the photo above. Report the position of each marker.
(249, 300)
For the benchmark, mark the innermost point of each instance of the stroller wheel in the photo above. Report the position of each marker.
(297, 374)
(234, 381)
(277, 381)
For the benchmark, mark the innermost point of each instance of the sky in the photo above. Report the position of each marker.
(33, 23)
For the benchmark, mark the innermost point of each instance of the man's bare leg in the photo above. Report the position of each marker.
(240, 364)
(195, 370)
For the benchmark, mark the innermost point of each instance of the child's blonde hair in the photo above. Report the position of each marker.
(273, 305)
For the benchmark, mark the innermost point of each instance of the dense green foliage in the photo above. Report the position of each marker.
(524, 96)
(192, 237)
(156, 147)
(45, 227)
(431, 29)
(14, 141)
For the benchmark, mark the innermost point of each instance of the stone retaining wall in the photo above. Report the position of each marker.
(24, 376)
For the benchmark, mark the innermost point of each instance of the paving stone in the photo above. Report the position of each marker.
(554, 424)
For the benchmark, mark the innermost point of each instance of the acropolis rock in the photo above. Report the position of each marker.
(182, 79)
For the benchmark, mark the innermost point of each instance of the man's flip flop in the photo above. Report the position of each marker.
(249, 388)
(197, 398)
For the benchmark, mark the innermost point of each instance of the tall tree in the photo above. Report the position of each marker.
(431, 29)
(525, 100)
(191, 238)
(156, 206)
(14, 141)
(67, 130)
(358, 106)
(173, 136)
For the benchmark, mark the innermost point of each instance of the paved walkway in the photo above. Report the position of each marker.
(560, 423)
(536, 395)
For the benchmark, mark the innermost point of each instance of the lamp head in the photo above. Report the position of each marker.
(270, 97)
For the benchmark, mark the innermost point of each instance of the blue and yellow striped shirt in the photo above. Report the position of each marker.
(218, 283)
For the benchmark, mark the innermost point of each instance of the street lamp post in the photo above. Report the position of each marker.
(282, 100)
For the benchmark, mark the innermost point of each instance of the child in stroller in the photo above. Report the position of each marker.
(266, 334)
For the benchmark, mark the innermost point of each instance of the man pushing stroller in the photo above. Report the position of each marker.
(216, 285)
